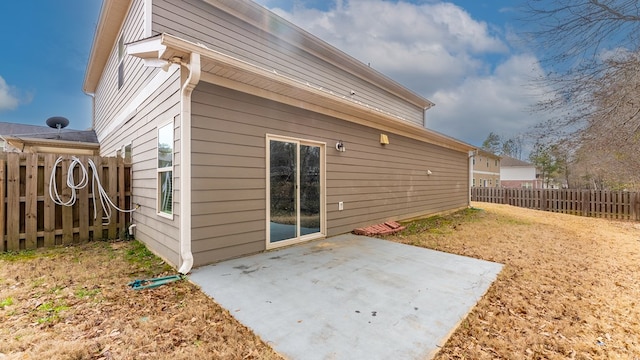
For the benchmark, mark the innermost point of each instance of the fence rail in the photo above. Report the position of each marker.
(31, 219)
(623, 205)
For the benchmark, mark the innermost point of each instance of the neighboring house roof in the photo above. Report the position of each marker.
(488, 154)
(43, 139)
(509, 161)
(25, 131)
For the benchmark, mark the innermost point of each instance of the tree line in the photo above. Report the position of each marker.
(591, 52)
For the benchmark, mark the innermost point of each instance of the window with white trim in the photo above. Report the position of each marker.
(121, 53)
(165, 169)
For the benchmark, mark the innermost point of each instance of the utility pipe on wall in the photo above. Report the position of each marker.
(192, 79)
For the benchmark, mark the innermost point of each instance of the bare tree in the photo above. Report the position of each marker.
(592, 51)
(580, 39)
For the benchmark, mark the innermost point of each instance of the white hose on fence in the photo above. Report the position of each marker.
(84, 180)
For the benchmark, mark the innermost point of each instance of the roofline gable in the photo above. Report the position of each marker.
(112, 15)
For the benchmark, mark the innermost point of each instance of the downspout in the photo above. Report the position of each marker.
(472, 154)
(185, 160)
(424, 114)
(424, 117)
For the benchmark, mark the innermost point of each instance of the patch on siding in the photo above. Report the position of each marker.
(386, 228)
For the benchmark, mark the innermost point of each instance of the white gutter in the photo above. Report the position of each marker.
(185, 160)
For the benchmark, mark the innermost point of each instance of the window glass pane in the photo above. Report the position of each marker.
(283, 172)
(120, 75)
(127, 152)
(165, 146)
(166, 185)
(121, 51)
(309, 189)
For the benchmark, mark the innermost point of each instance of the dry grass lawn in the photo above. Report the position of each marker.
(74, 303)
(570, 287)
(569, 290)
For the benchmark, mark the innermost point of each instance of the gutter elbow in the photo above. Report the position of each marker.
(187, 263)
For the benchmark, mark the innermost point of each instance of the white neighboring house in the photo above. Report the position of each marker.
(515, 173)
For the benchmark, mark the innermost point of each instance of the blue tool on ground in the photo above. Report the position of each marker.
(153, 283)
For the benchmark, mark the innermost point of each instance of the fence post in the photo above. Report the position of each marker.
(83, 203)
(31, 201)
(67, 211)
(97, 222)
(113, 195)
(13, 202)
(49, 220)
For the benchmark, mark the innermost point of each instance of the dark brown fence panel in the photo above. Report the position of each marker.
(31, 219)
(621, 205)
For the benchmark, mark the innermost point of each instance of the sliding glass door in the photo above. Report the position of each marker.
(296, 191)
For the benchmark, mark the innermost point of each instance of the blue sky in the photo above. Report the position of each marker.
(47, 44)
(463, 55)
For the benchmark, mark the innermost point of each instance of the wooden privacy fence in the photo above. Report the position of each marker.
(32, 220)
(623, 205)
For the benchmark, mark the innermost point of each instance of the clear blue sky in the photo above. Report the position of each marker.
(46, 47)
(459, 54)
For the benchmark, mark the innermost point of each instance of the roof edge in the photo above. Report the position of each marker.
(51, 142)
(271, 23)
(112, 15)
(165, 45)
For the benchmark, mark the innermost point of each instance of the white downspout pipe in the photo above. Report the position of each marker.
(424, 117)
(185, 160)
(472, 154)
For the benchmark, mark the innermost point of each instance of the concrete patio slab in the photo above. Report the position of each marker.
(350, 297)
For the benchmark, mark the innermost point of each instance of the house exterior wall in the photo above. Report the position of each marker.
(519, 177)
(486, 170)
(375, 182)
(229, 128)
(518, 173)
(130, 115)
(200, 22)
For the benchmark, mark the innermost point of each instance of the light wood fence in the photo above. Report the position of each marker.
(32, 220)
(623, 205)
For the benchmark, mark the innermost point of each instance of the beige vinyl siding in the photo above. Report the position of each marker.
(109, 100)
(159, 233)
(139, 128)
(375, 183)
(199, 22)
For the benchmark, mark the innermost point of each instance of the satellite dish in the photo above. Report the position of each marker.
(57, 122)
